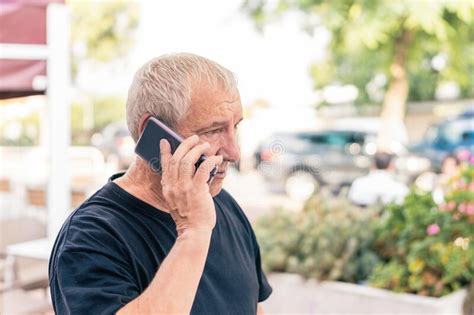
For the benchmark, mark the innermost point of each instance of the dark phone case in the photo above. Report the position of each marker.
(148, 145)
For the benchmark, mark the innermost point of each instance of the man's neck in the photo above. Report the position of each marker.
(143, 184)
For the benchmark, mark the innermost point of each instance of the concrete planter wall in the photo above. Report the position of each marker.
(294, 295)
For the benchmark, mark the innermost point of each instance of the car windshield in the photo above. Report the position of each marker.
(455, 132)
(336, 138)
(303, 141)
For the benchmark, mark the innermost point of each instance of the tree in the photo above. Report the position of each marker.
(101, 30)
(398, 39)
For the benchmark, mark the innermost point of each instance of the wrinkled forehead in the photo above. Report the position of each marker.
(212, 105)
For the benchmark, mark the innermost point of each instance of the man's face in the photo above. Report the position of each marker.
(214, 116)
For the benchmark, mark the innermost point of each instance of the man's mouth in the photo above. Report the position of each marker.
(222, 171)
(221, 174)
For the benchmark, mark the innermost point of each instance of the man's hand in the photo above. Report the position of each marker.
(174, 287)
(185, 189)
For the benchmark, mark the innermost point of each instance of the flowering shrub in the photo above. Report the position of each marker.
(427, 248)
(418, 247)
(328, 240)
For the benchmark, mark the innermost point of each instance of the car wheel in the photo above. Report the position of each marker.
(300, 185)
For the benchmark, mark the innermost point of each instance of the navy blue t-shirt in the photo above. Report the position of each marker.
(110, 248)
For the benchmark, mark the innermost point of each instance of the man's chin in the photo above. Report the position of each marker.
(216, 186)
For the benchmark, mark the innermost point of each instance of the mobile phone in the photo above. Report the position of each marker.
(148, 145)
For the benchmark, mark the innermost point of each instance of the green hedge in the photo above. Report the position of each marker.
(418, 247)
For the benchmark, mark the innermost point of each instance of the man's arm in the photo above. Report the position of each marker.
(174, 287)
(260, 309)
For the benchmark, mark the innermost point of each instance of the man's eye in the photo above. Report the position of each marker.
(214, 131)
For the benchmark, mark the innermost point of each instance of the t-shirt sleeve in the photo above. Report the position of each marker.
(264, 287)
(89, 274)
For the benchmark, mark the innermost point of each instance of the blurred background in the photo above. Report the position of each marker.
(357, 147)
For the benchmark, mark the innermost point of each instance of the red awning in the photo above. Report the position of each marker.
(22, 22)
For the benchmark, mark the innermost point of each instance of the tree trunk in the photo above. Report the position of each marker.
(394, 105)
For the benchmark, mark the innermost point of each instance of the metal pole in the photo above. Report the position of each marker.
(59, 125)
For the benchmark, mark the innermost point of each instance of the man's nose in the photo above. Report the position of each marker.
(230, 148)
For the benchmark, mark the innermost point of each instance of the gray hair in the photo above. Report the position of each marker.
(163, 87)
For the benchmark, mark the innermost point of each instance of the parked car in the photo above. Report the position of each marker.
(116, 144)
(446, 137)
(300, 162)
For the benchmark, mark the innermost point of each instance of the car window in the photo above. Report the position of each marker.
(336, 139)
(317, 139)
(358, 137)
(455, 132)
(328, 139)
(468, 137)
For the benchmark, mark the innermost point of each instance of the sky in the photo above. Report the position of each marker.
(273, 65)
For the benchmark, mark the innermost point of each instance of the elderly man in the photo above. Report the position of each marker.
(169, 242)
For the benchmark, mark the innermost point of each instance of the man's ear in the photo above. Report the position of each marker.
(141, 124)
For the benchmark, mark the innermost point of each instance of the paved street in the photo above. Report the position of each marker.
(254, 197)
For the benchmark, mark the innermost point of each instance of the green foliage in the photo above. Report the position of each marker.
(329, 240)
(428, 249)
(77, 117)
(364, 33)
(416, 247)
(101, 30)
(28, 127)
(279, 239)
(106, 28)
(105, 110)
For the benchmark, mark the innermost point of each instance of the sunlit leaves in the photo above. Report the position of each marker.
(104, 28)
(364, 33)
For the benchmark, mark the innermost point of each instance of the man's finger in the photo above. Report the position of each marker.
(187, 167)
(165, 156)
(205, 169)
(175, 160)
(185, 146)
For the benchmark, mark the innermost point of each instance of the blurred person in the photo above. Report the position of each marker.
(166, 243)
(449, 168)
(379, 184)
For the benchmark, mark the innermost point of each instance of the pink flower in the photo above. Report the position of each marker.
(433, 229)
(462, 207)
(451, 205)
(471, 160)
(470, 209)
(471, 186)
(464, 155)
